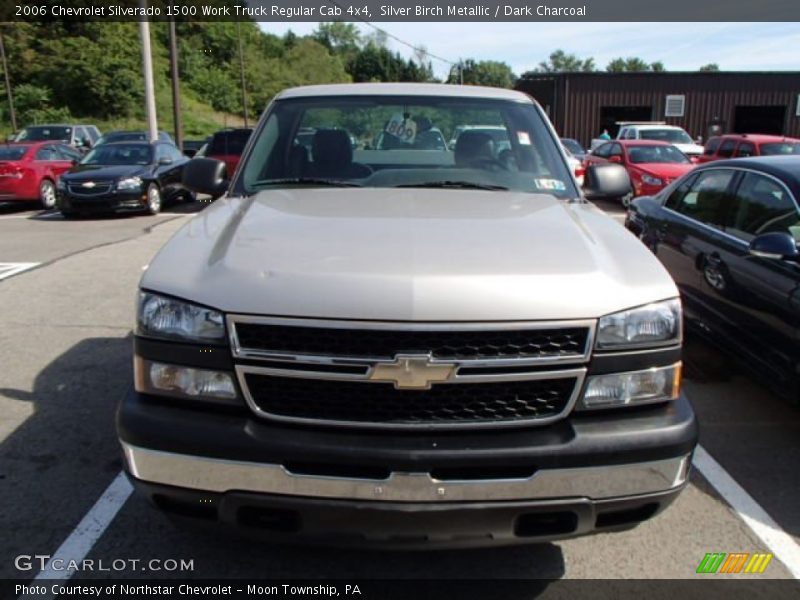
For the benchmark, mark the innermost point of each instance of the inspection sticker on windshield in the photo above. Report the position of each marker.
(523, 138)
(550, 184)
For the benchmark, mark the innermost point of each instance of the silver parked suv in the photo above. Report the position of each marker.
(407, 347)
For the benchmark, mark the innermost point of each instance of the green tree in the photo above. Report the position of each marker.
(710, 67)
(633, 64)
(486, 72)
(561, 62)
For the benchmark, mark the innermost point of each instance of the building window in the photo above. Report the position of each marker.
(674, 106)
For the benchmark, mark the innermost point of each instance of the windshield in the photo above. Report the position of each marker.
(399, 141)
(780, 148)
(119, 154)
(44, 133)
(573, 146)
(127, 136)
(673, 136)
(656, 154)
(12, 152)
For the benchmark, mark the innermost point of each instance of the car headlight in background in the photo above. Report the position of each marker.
(184, 382)
(655, 324)
(635, 388)
(130, 183)
(162, 317)
(650, 180)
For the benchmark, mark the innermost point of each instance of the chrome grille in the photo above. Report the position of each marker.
(395, 375)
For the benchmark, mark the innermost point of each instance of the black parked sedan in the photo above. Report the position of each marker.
(124, 177)
(728, 233)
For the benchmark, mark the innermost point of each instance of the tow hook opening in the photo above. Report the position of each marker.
(549, 523)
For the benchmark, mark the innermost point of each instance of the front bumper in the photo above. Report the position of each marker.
(588, 473)
(127, 201)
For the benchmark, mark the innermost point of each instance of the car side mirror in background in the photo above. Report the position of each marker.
(165, 161)
(606, 181)
(615, 159)
(776, 245)
(699, 140)
(206, 176)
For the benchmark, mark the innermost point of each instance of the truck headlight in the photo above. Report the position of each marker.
(130, 183)
(655, 324)
(162, 317)
(635, 388)
(184, 382)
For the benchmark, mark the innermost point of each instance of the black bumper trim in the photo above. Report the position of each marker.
(589, 439)
(403, 525)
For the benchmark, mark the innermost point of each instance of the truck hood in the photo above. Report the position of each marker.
(408, 255)
(690, 149)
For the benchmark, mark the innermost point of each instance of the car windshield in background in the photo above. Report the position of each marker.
(41, 134)
(656, 154)
(12, 152)
(673, 136)
(119, 154)
(573, 146)
(780, 148)
(386, 141)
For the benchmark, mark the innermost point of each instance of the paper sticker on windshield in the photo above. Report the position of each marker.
(553, 185)
(523, 138)
(402, 128)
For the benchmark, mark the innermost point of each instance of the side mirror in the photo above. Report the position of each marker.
(206, 176)
(694, 160)
(617, 160)
(775, 245)
(606, 181)
(699, 140)
(165, 160)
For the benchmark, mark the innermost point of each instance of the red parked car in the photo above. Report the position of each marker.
(742, 145)
(227, 145)
(651, 165)
(30, 172)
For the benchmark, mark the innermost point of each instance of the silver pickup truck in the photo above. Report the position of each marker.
(408, 345)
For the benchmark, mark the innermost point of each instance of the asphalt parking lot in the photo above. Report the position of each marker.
(65, 326)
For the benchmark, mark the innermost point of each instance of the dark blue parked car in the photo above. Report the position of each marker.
(728, 233)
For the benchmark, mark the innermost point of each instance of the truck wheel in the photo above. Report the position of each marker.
(47, 194)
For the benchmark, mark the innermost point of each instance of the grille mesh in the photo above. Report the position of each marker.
(375, 403)
(379, 343)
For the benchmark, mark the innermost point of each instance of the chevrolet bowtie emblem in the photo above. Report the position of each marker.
(412, 372)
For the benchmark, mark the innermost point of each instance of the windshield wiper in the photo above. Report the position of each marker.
(307, 181)
(454, 184)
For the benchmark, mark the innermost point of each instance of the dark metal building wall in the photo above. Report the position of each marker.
(709, 96)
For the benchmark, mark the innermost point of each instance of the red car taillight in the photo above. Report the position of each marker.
(580, 171)
(12, 171)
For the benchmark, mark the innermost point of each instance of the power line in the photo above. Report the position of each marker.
(418, 49)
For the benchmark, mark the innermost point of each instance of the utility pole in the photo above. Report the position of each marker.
(11, 111)
(149, 88)
(241, 71)
(176, 85)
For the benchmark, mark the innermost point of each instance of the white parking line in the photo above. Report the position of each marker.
(768, 531)
(11, 269)
(85, 535)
